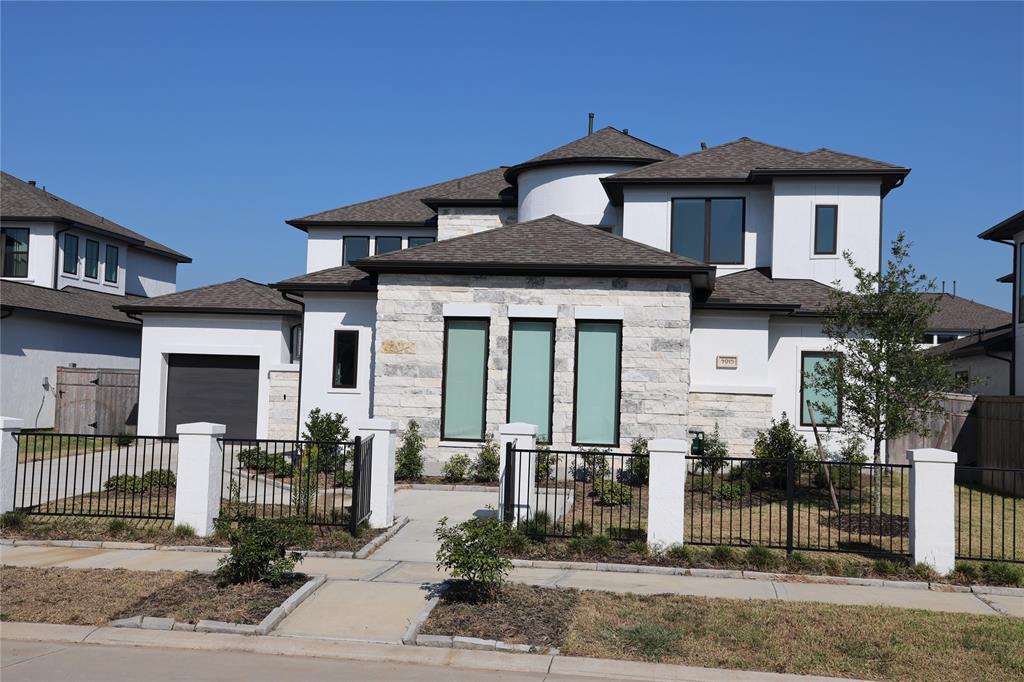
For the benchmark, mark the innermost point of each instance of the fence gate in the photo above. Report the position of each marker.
(100, 401)
(362, 473)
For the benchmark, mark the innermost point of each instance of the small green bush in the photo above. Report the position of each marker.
(762, 558)
(124, 483)
(1001, 573)
(261, 461)
(771, 448)
(409, 457)
(488, 459)
(638, 547)
(184, 531)
(457, 468)
(326, 429)
(591, 465)
(885, 567)
(578, 546)
(678, 552)
(516, 541)
(259, 550)
(701, 484)
(582, 527)
(547, 463)
(159, 478)
(536, 527)
(12, 520)
(723, 554)
(471, 551)
(600, 545)
(924, 572)
(610, 493)
(967, 571)
(801, 562)
(715, 452)
(638, 468)
(124, 439)
(732, 492)
(117, 526)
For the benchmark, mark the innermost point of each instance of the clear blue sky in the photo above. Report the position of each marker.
(205, 126)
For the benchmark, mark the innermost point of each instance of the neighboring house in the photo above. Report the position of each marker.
(958, 317)
(982, 361)
(64, 269)
(1011, 232)
(604, 290)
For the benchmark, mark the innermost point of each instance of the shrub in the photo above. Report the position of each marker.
(124, 438)
(12, 520)
(117, 526)
(591, 465)
(261, 461)
(762, 558)
(409, 457)
(639, 547)
(731, 492)
(325, 428)
(701, 484)
(723, 554)
(488, 458)
(516, 541)
(600, 545)
(535, 528)
(715, 452)
(801, 562)
(844, 473)
(771, 449)
(470, 550)
(184, 530)
(638, 468)
(678, 552)
(884, 567)
(159, 478)
(124, 483)
(1004, 574)
(547, 463)
(259, 550)
(457, 468)
(967, 571)
(581, 527)
(924, 572)
(611, 493)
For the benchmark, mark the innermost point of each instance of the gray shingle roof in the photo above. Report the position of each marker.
(604, 144)
(551, 245)
(240, 296)
(68, 301)
(21, 201)
(408, 208)
(343, 278)
(956, 313)
(756, 288)
(995, 340)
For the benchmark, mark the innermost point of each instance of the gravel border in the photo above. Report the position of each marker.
(265, 627)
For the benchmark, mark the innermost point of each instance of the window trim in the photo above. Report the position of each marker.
(85, 270)
(444, 378)
(618, 384)
(106, 263)
(803, 401)
(707, 227)
(376, 241)
(3, 251)
(344, 249)
(334, 359)
(508, 384)
(835, 232)
(65, 251)
(409, 239)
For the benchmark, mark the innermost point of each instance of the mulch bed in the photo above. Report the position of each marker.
(440, 480)
(866, 523)
(519, 614)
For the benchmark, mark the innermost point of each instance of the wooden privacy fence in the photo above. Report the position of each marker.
(96, 400)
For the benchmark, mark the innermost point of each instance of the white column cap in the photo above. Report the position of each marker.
(931, 455)
(517, 429)
(201, 429)
(378, 424)
(668, 445)
(11, 423)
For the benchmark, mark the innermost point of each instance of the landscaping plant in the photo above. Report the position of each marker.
(259, 550)
(409, 457)
(610, 493)
(592, 465)
(547, 463)
(456, 468)
(771, 449)
(637, 469)
(488, 460)
(326, 430)
(471, 551)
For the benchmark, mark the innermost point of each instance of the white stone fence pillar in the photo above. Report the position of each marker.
(524, 478)
(9, 429)
(666, 492)
(200, 473)
(932, 500)
(382, 469)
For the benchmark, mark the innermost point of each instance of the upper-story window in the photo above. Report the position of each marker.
(826, 229)
(15, 260)
(70, 254)
(354, 248)
(110, 265)
(709, 230)
(420, 241)
(1020, 282)
(387, 245)
(92, 259)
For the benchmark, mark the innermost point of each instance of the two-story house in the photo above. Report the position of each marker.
(606, 289)
(63, 271)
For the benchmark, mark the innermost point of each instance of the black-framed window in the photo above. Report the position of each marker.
(420, 241)
(92, 259)
(15, 259)
(809, 360)
(464, 385)
(709, 230)
(945, 338)
(110, 265)
(826, 229)
(531, 374)
(598, 369)
(354, 248)
(1020, 282)
(345, 369)
(386, 245)
(295, 343)
(70, 254)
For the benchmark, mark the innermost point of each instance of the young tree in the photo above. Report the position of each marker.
(887, 385)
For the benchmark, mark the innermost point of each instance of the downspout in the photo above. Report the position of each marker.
(302, 355)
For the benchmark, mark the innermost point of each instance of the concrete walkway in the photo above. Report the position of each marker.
(416, 542)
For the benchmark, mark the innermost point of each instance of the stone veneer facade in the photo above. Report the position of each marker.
(739, 417)
(655, 349)
(284, 404)
(458, 222)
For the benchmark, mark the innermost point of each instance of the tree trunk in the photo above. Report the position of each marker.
(876, 477)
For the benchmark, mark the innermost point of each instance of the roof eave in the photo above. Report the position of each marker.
(1005, 230)
(346, 288)
(435, 203)
(206, 310)
(304, 225)
(613, 185)
(127, 322)
(759, 307)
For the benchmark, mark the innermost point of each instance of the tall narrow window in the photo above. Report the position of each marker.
(70, 254)
(92, 259)
(464, 392)
(530, 374)
(825, 229)
(709, 230)
(1020, 282)
(354, 248)
(596, 396)
(387, 245)
(819, 397)
(420, 241)
(346, 359)
(15, 260)
(110, 265)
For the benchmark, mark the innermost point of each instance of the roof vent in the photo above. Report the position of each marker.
(32, 182)
(590, 123)
(703, 146)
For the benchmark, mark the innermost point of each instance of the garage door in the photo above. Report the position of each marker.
(223, 389)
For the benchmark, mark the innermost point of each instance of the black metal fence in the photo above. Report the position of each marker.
(94, 475)
(990, 514)
(362, 474)
(577, 493)
(309, 480)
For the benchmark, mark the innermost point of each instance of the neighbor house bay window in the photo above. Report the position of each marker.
(819, 397)
(92, 259)
(15, 260)
(596, 394)
(826, 232)
(354, 248)
(71, 254)
(346, 359)
(709, 230)
(384, 245)
(110, 266)
(464, 388)
(530, 374)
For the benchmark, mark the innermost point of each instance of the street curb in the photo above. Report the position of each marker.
(412, 632)
(446, 487)
(477, 644)
(374, 544)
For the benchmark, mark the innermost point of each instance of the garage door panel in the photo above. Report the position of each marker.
(223, 389)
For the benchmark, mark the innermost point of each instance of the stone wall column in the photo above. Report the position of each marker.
(932, 500)
(666, 492)
(9, 429)
(200, 468)
(524, 478)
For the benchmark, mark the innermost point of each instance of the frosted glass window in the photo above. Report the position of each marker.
(530, 374)
(465, 379)
(596, 403)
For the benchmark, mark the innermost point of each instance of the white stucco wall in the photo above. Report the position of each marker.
(987, 375)
(265, 336)
(858, 227)
(324, 244)
(573, 191)
(787, 339)
(32, 346)
(325, 314)
(150, 274)
(647, 217)
(734, 334)
(40, 253)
